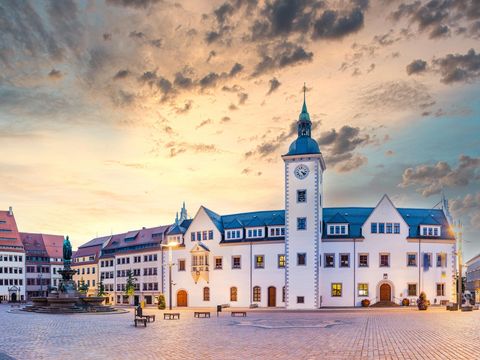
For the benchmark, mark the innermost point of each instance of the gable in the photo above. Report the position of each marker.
(385, 212)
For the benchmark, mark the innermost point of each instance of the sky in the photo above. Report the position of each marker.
(112, 113)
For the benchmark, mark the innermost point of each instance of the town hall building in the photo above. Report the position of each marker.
(304, 256)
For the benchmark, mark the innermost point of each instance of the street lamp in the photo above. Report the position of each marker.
(41, 283)
(170, 245)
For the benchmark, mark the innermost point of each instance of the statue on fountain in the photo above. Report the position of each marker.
(67, 252)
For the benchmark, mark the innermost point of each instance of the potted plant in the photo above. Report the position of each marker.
(365, 303)
(422, 301)
(161, 302)
(405, 302)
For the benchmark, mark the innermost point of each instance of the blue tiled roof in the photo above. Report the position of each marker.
(354, 216)
(336, 219)
(303, 145)
(416, 217)
(176, 230)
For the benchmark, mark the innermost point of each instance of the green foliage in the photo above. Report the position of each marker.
(130, 285)
(161, 302)
(422, 301)
(82, 287)
(101, 289)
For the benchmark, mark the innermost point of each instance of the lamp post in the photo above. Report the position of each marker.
(170, 245)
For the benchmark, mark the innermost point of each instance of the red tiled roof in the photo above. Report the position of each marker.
(145, 236)
(9, 239)
(43, 244)
(87, 251)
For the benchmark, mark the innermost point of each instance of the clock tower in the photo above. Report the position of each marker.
(304, 167)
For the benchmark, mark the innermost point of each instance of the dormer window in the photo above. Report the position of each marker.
(429, 230)
(276, 231)
(337, 229)
(255, 233)
(233, 234)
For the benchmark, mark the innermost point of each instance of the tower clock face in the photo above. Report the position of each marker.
(302, 171)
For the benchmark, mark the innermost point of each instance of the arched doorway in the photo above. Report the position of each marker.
(182, 298)
(272, 296)
(13, 297)
(385, 292)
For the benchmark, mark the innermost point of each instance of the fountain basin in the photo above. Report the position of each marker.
(93, 300)
(40, 301)
(63, 302)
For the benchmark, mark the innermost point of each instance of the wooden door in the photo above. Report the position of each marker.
(182, 298)
(272, 296)
(385, 292)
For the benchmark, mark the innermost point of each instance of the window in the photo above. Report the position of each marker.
(301, 196)
(384, 260)
(300, 299)
(257, 294)
(329, 260)
(441, 289)
(210, 235)
(412, 289)
(301, 259)
(381, 228)
(427, 260)
(362, 289)
(193, 236)
(236, 262)
(389, 228)
(206, 294)
(204, 235)
(374, 228)
(344, 260)
(218, 263)
(199, 235)
(233, 294)
(281, 261)
(411, 259)
(396, 228)
(259, 261)
(301, 223)
(362, 260)
(442, 260)
(181, 265)
(336, 289)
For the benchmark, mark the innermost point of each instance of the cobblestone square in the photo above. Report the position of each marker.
(340, 334)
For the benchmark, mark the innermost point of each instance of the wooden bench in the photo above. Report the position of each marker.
(139, 314)
(239, 313)
(203, 314)
(141, 321)
(171, 316)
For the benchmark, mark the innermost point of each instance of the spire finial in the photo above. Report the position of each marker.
(304, 91)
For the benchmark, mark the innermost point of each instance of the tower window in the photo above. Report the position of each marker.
(301, 259)
(300, 299)
(301, 223)
(301, 196)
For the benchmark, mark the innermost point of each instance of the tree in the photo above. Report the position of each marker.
(161, 302)
(82, 287)
(101, 289)
(130, 285)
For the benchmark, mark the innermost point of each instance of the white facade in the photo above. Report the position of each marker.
(12, 276)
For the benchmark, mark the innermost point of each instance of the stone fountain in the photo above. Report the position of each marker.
(67, 299)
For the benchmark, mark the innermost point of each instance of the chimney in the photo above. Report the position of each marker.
(10, 211)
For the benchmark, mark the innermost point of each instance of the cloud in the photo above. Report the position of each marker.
(458, 67)
(416, 67)
(440, 31)
(468, 206)
(334, 25)
(137, 34)
(225, 119)
(396, 95)
(182, 81)
(136, 4)
(242, 97)
(281, 55)
(176, 149)
(237, 68)
(55, 74)
(209, 80)
(430, 179)
(341, 145)
(121, 74)
(186, 107)
(274, 84)
(203, 123)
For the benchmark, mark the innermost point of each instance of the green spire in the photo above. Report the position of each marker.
(304, 116)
